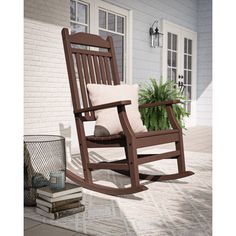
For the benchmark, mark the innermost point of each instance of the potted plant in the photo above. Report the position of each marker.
(155, 118)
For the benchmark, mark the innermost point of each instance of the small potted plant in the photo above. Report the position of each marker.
(155, 118)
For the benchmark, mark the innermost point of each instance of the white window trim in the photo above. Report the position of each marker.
(94, 6)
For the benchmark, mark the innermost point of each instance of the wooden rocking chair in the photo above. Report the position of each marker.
(100, 67)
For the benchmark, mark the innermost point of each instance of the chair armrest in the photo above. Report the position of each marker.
(154, 104)
(103, 106)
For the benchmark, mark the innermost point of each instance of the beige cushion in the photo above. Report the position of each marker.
(107, 120)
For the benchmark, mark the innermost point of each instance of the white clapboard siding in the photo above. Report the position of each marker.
(204, 72)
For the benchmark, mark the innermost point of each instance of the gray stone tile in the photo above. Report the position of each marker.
(44, 229)
(28, 223)
(188, 232)
(80, 234)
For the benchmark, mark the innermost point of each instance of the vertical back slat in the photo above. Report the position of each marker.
(114, 68)
(102, 69)
(85, 66)
(87, 80)
(95, 61)
(81, 80)
(91, 70)
(108, 74)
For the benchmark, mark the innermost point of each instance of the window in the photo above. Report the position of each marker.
(79, 20)
(104, 19)
(113, 24)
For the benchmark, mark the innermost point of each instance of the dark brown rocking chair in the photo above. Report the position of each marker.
(100, 67)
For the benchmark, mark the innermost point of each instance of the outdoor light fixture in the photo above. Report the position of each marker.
(156, 36)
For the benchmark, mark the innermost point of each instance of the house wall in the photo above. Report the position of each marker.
(146, 60)
(47, 101)
(204, 72)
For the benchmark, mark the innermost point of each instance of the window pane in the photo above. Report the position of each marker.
(186, 92)
(174, 42)
(120, 24)
(174, 59)
(189, 92)
(185, 45)
(169, 73)
(185, 62)
(169, 40)
(190, 77)
(119, 50)
(189, 46)
(187, 107)
(185, 77)
(75, 28)
(81, 13)
(72, 10)
(174, 75)
(169, 58)
(111, 22)
(102, 19)
(190, 62)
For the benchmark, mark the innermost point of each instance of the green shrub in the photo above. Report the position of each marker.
(155, 118)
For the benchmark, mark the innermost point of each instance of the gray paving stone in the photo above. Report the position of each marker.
(28, 223)
(48, 230)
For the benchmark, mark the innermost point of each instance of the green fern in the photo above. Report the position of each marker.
(155, 118)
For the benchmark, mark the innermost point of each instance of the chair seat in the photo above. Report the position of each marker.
(137, 135)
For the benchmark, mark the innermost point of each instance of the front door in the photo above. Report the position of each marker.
(179, 63)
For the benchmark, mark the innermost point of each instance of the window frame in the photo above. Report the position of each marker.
(93, 28)
(88, 16)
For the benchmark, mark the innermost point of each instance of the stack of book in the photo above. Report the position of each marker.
(56, 204)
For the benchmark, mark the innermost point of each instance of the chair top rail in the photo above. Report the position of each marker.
(88, 40)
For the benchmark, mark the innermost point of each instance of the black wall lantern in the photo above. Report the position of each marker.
(156, 36)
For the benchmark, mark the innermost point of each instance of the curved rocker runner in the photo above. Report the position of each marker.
(89, 64)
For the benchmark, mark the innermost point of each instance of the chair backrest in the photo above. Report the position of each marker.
(88, 66)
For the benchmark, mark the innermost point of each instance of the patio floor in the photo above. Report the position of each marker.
(196, 139)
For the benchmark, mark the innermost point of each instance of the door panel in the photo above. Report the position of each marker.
(179, 63)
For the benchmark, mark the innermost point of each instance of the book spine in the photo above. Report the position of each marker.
(60, 214)
(62, 198)
(46, 209)
(65, 207)
(57, 204)
(65, 202)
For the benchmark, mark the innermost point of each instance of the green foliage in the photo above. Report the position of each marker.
(155, 118)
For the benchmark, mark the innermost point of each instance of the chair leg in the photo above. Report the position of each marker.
(180, 160)
(85, 159)
(83, 151)
(131, 156)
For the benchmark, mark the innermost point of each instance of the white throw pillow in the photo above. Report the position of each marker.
(107, 120)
